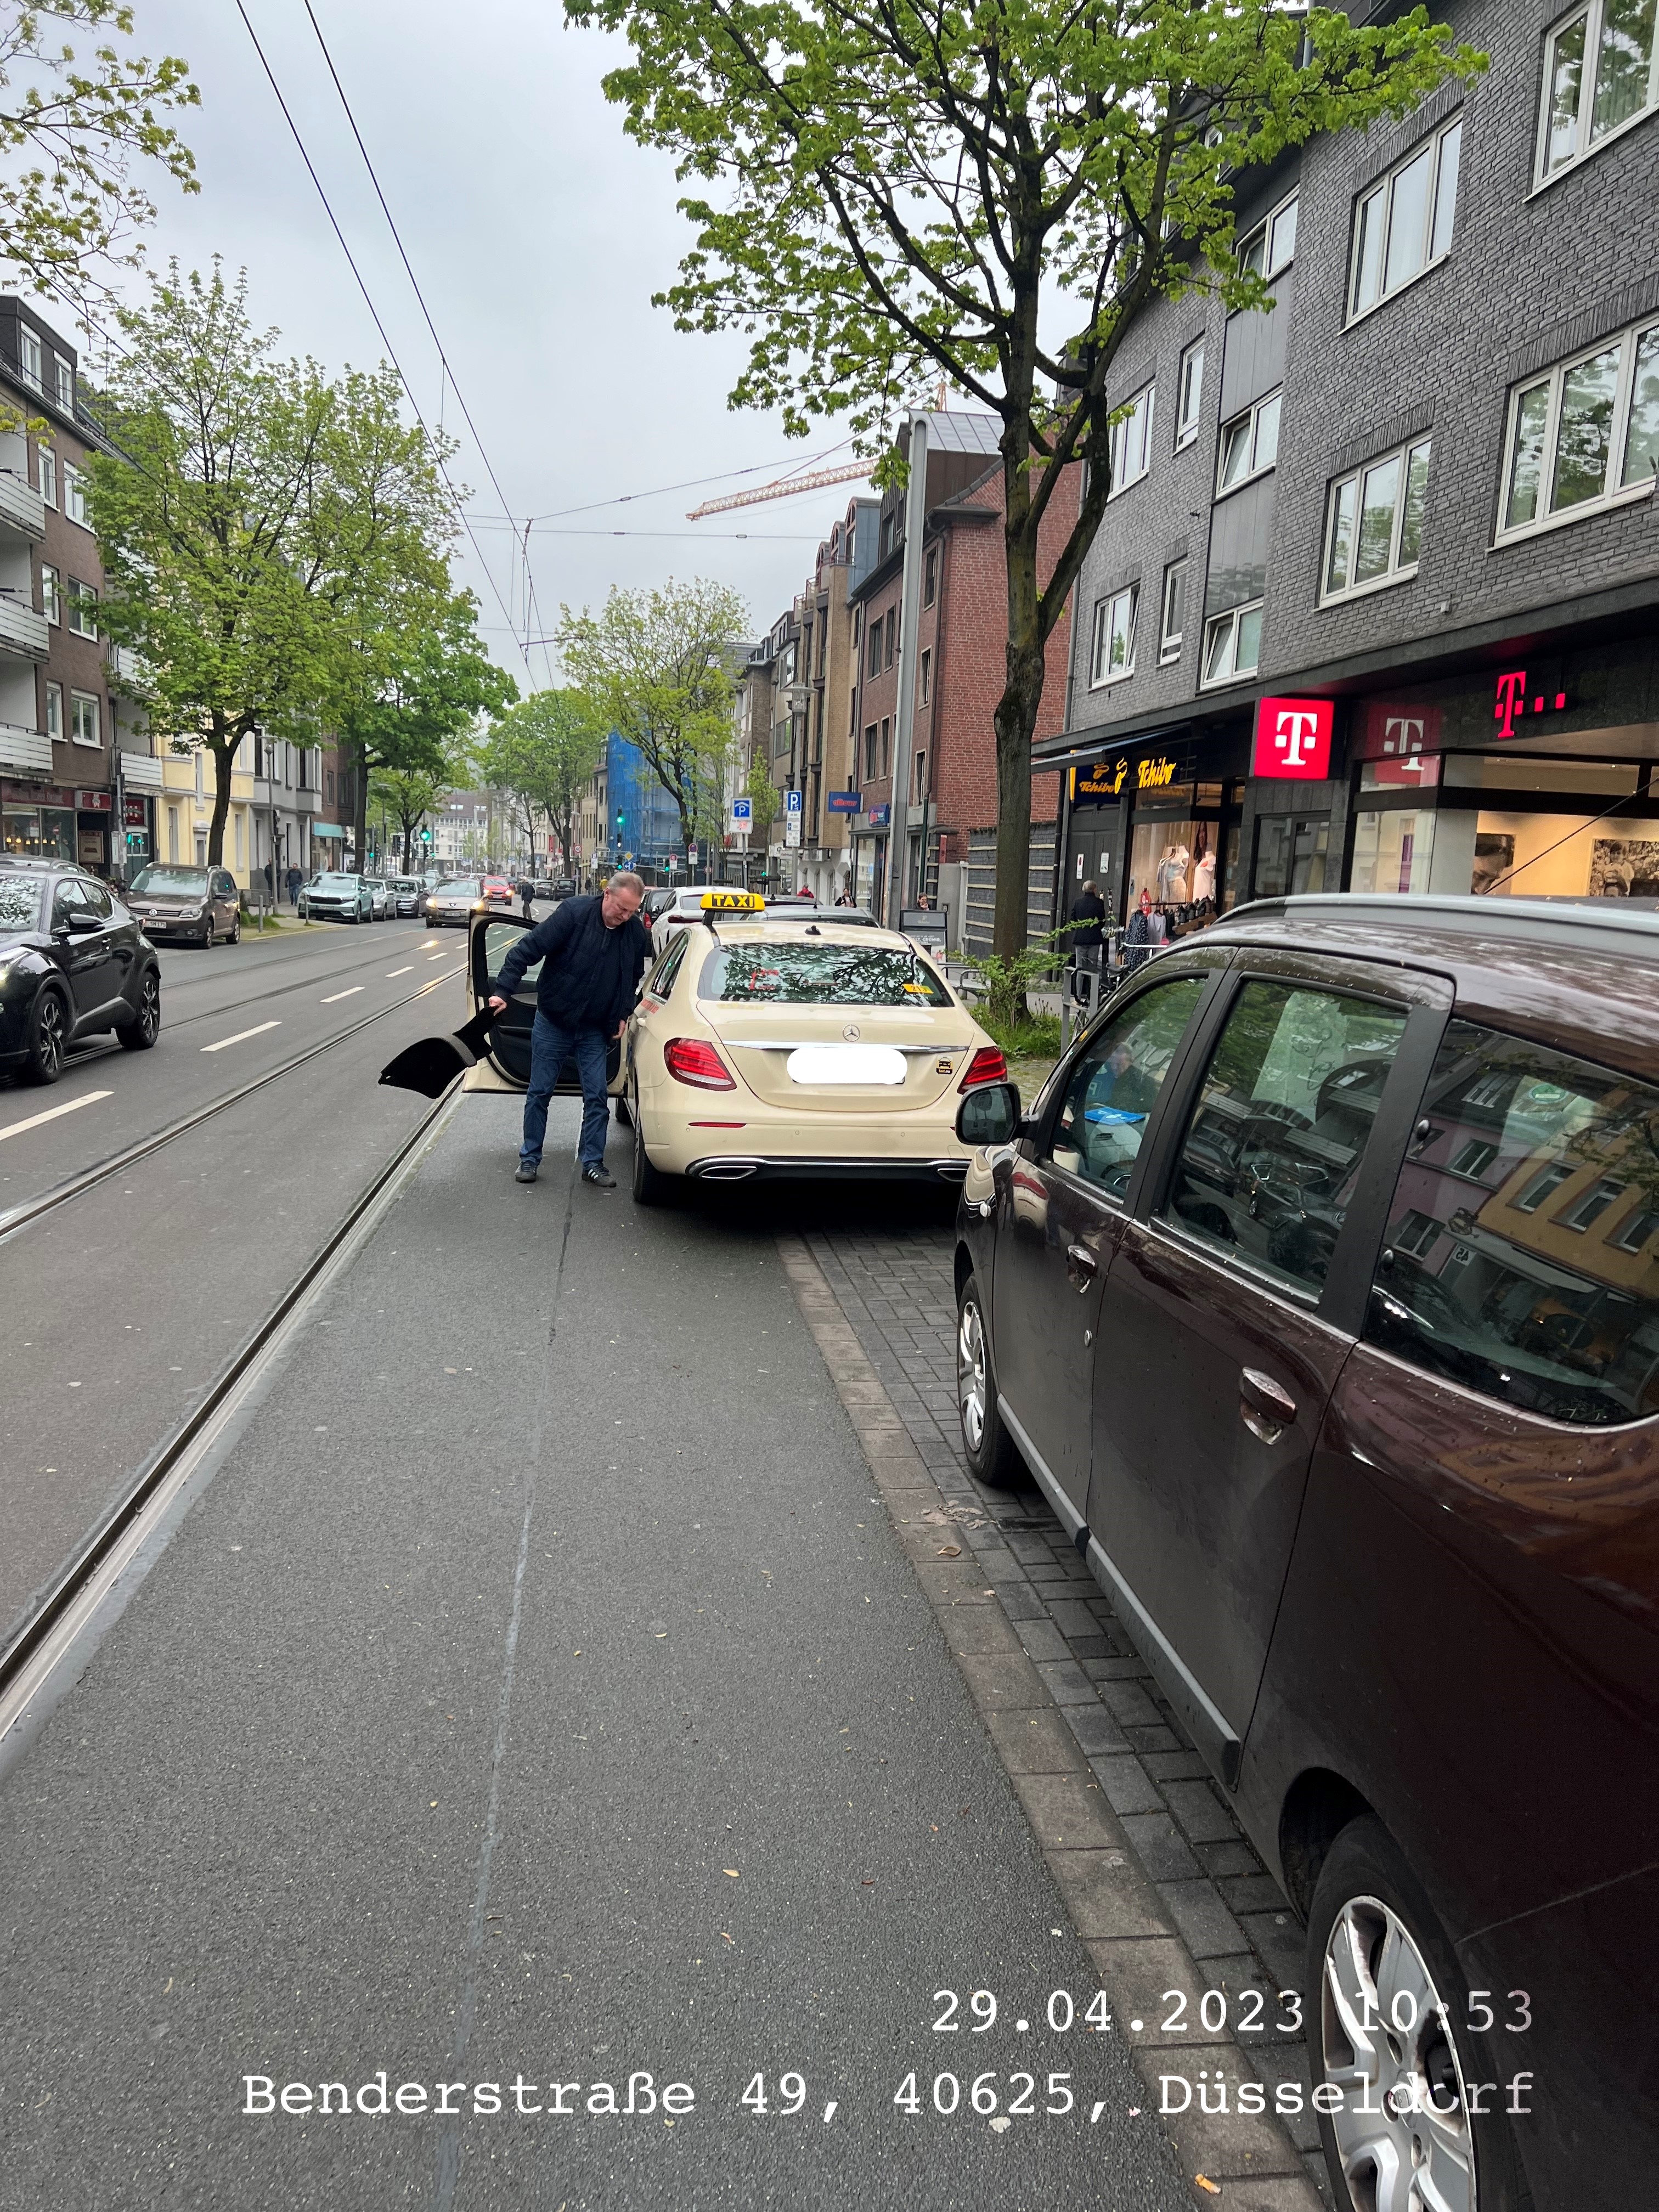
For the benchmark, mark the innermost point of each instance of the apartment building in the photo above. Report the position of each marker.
(1375, 603)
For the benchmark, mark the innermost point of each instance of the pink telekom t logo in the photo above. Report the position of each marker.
(1511, 701)
(1296, 735)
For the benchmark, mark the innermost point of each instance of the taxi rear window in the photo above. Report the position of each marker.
(770, 974)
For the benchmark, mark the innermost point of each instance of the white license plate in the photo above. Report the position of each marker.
(863, 1064)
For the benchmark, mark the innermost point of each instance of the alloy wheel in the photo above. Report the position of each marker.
(51, 1030)
(971, 1373)
(1403, 2132)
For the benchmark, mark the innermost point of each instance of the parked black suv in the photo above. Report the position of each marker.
(73, 961)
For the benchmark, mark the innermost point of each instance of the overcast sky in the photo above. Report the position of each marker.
(538, 233)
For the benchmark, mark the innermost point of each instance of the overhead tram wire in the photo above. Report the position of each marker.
(351, 262)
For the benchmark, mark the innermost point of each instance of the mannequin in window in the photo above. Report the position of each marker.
(1146, 932)
(1203, 871)
(1171, 876)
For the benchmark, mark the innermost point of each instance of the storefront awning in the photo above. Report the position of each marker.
(1078, 748)
(326, 830)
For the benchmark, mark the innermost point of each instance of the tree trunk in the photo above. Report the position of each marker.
(223, 746)
(1015, 722)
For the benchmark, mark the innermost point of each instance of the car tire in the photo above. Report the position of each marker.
(990, 1451)
(651, 1185)
(141, 1032)
(207, 936)
(1373, 1936)
(235, 936)
(46, 1037)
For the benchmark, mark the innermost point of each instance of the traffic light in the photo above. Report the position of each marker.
(620, 817)
(426, 836)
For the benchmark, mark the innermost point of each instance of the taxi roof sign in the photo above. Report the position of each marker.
(732, 903)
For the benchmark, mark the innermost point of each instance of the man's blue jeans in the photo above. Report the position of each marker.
(550, 1048)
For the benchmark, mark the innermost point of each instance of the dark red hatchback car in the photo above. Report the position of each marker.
(1319, 1293)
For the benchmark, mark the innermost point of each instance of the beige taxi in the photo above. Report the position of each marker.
(766, 1045)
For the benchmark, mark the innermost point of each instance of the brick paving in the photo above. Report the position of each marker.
(898, 1296)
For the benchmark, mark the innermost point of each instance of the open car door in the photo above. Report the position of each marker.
(490, 938)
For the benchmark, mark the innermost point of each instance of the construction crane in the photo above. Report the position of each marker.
(847, 473)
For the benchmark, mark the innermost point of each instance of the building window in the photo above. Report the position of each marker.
(1175, 598)
(28, 355)
(1543, 1185)
(82, 609)
(1403, 225)
(1250, 443)
(925, 673)
(54, 710)
(83, 719)
(74, 495)
(1584, 436)
(1592, 1205)
(919, 780)
(873, 659)
(1637, 1229)
(51, 597)
(886, 744)
(1598, 77)
(930, 576)
(1415, 1233)
(869, 754)
(63, 380)
(1232, 644)
(48, 476)
(1113, 653)
(1473, 1159)
(891, 626)
(1374, 532)
(1269, 248)
(1189, 395)
(1131, 443)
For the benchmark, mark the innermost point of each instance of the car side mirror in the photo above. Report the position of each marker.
(990, 1114)
(79, 920)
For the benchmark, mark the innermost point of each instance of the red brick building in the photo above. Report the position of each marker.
(950, 782)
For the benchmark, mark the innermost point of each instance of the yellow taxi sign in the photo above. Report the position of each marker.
(732, 903)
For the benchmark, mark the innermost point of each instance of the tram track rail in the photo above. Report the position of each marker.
(26, 1650)
(19, 1218)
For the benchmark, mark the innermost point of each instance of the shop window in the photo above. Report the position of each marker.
(1392, 850)
(1249, 444)
(1189, 394)
(1293, 856)
(1112, 655)
(1584, 436)
(1504, 1304)
(1174, 602)
(1403, 224)
(1599, 77)
(1374, 529)
(1232, 644)
(1131, 442)
(1271, 246)
(1268, 1162)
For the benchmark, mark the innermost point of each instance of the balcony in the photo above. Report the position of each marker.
(22, 512)
(21, 630)
(139, 773)
(22, 751)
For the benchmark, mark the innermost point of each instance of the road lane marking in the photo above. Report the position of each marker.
(390, 972)
(242, 1036)
(431, 956)
(52, 1112)
(335, 998)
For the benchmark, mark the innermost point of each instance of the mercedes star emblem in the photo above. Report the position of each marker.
(851, 1029)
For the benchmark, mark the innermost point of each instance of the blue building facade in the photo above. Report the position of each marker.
(649, 832)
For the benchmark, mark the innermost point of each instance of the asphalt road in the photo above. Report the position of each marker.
(536, 1693)
(128, 1302)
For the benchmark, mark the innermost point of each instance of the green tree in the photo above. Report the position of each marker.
(992, 190)
(409, 795)
(257, 523)
(425, 677)
(657, 667)
(542, 751)
(75, 124)
(763, 795)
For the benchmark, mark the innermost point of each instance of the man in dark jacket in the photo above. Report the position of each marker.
(592, 951)
(1086, 937)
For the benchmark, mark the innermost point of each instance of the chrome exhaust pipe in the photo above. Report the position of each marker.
(728, 1170)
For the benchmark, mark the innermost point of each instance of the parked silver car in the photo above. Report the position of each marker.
(336, 896)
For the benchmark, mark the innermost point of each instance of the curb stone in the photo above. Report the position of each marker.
(1039, 1713)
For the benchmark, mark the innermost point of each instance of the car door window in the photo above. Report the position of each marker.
(660, 981)
(499, 939)
(224, 886)
(67, 899)
(96, 897)
(1273, 1148)
(1521, 1255)
(1113, 1088)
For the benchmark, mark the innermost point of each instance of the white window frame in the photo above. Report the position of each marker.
(1105, 631)
(1618, 495)
(1131, 438)
(1397, 572)
(1168, 641)
(1382, 190)
(1250, 415)
(74, 496)
(51, 593)
(1270, 233)
(63, 379)
(1591, 14)
(55, 727)
(48, 464)
(80, 597)
(28, 355)
(1189, 394)
(77, 700)
(1230, 673)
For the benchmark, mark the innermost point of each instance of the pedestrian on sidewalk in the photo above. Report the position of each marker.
(293, 879)
(524, 891)
(592, 951)
(1088, 914)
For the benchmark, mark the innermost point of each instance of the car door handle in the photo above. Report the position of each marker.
(1080, 1261)
(1265, 1407)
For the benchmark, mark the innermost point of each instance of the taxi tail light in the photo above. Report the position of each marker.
(690, 1060)
(987, 1066)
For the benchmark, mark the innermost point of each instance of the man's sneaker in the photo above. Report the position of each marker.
(600, 1176)
(525, 1172)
